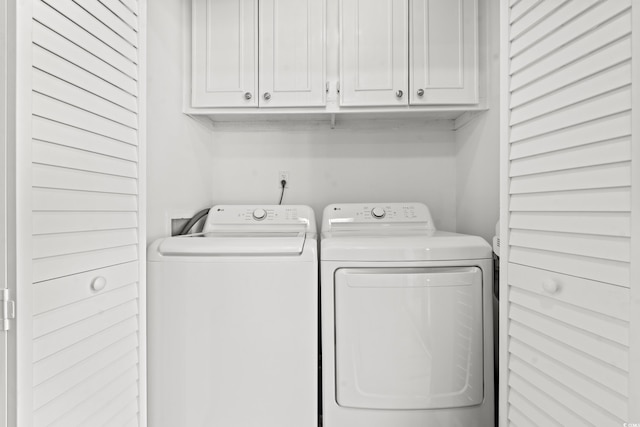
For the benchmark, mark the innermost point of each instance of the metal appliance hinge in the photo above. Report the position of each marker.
(8, 308)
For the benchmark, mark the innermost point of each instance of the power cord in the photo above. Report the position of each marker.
(283, 183)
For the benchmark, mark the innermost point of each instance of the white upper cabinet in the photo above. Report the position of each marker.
(291, 65)
(245, 55)
(443, 52)
(373, 52)
(409, 52)
(225, 53)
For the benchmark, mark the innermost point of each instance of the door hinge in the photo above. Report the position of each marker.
(8, 308)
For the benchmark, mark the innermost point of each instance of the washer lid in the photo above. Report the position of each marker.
(234, 244)
(399, 245)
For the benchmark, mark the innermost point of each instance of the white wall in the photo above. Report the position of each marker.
(191, 167)
(179, 148)
(369, 163)
(477, 144)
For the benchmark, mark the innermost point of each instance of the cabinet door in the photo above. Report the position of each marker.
(443, 52)
(373, 50)
(291, 53)
(224, 53)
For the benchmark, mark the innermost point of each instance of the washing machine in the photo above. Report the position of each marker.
(233, 321)
(406, 320)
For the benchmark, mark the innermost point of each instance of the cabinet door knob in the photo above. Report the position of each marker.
(247, 95)
(399, 93)
(550, 286)
(267, 96)
(98, 283)
(420, 92)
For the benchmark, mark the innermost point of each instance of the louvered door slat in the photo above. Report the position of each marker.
(125, 383)
(604, 399)
(600, 153)
(94, 27)
(594, 40)
(64, 48)
(51, 245)
(71, 94)
(131, 5)
(543, 399)
(68, 222)
(56, 364)
(51, 18)
(566, 12)
(62, 69)
(46, 176)
(597, 223)
(607, 271)
(529, 413)
(594, 200)
(600, 176)
(58, 410)
(603, 247)
(65, 265)
(570, 31)
(58, 318)
(49, 390)
(538, 13)
(50, 108)
(580, 90)
(617, 330)
(61, 156)
(45, 199)
(69, 136)
(117, 411)
(577, 114)
(589, 413)
(125, 10)
(113, 20)
(607, 375)
(597, 62)
(122, 415)
(606, 128)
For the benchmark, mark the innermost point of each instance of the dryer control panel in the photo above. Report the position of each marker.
(356, 215)
(273, 217)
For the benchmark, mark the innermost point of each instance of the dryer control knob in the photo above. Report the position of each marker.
(378, 212)
(259, 214)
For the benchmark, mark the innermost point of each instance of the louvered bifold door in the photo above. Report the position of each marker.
(87, 244)
(567, 208)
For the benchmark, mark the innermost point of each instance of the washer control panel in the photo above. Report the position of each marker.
(388, 214)
(260, 215)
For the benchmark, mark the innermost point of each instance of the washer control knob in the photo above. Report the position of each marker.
(259, 214)
(378, 213)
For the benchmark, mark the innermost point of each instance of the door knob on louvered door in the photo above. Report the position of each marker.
(550, 286)
(98, 283)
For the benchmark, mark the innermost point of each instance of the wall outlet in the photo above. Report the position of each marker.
(283, 175)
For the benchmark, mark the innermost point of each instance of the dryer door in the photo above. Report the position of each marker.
(408, 338)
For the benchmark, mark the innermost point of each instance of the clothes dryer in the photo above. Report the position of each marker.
(233, 339)
(406, 320)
